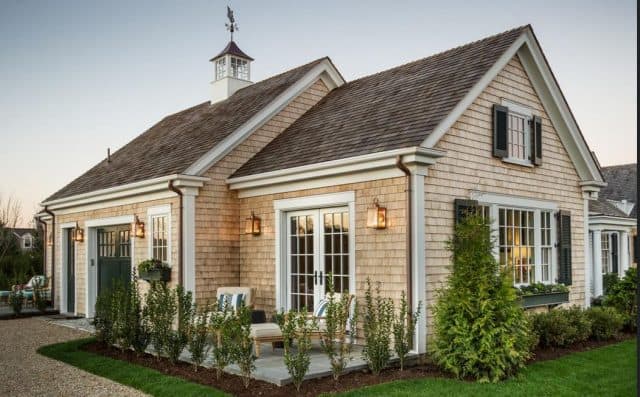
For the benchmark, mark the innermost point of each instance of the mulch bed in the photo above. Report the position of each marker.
(233, 384)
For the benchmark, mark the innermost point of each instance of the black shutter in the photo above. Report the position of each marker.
(463, 207)
(614, 252)
(500, 131)
(564, 247)
(536, 140)
(635, 249)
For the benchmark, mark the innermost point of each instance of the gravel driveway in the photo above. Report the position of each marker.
(26, 373)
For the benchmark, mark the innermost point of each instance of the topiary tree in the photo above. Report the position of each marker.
(481, 332)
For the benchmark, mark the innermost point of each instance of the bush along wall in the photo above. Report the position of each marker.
(481, 331)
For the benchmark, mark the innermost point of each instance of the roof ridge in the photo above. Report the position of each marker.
(441, 53)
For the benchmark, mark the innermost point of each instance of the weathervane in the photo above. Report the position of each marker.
(232, 26)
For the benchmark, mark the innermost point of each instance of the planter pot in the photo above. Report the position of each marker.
(553, 298)
(156, 275)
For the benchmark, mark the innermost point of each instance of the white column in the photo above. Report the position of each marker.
(597, 263)
(418, 256)
(588, 265)
(624, 252)
(189, 239)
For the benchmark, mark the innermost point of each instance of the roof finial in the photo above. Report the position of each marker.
(232, 26)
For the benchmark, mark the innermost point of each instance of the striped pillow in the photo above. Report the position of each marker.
(237, 300)
(321, 309)
(224, 300)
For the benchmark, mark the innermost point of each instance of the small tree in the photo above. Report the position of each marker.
(178, 339)
(198, 336)
(243, 344)
(378, 322)
(102, 319)
(404, 328)
(224, 329)
(162, 308)
(297, 329)
(334, 342)
(138, 318)
(480, 329)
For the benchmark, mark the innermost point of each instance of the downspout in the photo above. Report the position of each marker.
(409, 227)
(180, 242)
(53, 253)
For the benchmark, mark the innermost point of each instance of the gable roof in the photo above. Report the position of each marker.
(393, 109)
(622, 184)
(179, 140)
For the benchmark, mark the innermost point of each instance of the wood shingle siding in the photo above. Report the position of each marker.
(469, 166)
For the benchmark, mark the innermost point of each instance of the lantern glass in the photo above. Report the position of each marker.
(252, 225)
(139, 229)
(78, 235)
(377, 217)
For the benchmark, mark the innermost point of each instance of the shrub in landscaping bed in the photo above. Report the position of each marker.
(224, 328)
(481, 332)
(561, 327)
(609, 280)
(198, 342)
(16, 300)
(622, 296)
(177, 339)
(378, 328)
(606, 322)
(335, 343)
(296, 332)
(404, 328)
(162, 309)
(243, 343)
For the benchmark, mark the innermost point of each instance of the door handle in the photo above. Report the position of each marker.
(321, 278)
(315, 277)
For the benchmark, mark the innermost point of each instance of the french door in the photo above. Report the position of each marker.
(318, 245)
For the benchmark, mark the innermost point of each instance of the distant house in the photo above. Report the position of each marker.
(278, 184)
(613, 234)
(25, 237)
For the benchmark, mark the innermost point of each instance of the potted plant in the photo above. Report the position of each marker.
(154, 270)
(539, 294)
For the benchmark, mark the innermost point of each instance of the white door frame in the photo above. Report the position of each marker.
(64, 227)
(316, 202)
(91, 265)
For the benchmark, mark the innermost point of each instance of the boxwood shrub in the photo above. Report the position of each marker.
(606, 322)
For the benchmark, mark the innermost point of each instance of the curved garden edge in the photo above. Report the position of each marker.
(159, 379)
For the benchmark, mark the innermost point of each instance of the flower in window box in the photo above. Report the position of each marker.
(154, 270)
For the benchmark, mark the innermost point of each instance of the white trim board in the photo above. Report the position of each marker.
(363, 168)
(324, 70)
(538, 71)
(513, 201)
(144, 187)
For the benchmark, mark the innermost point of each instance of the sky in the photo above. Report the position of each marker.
(78, 77)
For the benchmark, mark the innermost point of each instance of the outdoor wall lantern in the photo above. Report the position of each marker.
(78, 234)
(50, 239)
(138, 228)
(252, 225)
(377, 216)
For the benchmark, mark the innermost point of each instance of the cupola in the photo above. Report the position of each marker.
(231, 67)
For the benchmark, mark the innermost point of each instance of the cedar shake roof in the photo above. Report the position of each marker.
(179, 140)
(232, 49)
(622, 184)
(22, 231)
(394, 109)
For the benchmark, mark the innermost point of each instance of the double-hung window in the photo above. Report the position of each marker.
(159, 233)
(518, 139)
(525, 235)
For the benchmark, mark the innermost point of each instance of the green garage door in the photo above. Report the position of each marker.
(114, 256)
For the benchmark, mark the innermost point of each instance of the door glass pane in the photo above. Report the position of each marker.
(336, 254)
(301, 262)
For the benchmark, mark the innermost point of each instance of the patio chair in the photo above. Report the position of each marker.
(38, 281)
(319, 315)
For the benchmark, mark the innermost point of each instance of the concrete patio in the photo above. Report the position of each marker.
(270, 366)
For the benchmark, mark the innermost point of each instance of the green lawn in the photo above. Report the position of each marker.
(609, 371)
(147, 380)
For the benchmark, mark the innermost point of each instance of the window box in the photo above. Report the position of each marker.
(156, 274)
(545, 299)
